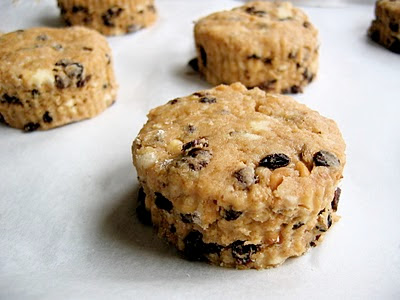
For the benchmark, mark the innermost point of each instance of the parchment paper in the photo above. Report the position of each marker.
(67, 196)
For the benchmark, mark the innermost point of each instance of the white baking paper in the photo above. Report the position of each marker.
(67, 196)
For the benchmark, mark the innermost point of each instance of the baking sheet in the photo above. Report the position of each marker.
(67, 196)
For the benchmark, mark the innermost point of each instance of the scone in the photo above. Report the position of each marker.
(239, 177)
(385, 29)
(110, 17)
(270, 45)
(51, 77)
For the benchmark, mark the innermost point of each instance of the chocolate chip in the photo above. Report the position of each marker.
(395, 46)
(201, 142)
(174, 101)
(197, 158)
(35, 93)
(336, 198)
(307, 24)
(163, 203)
(203, 56)
(253, 56)
(11, 100)
(394, 27)
(187, 218)
(42, 37)
(29, 127)
(325, 159)
(230, 214)
(329, 221)
(297, 226)
(142, 213)
(242, 253)
(47, 118)
(268, 61)
(110, 14)
(208, 100)
(196, 249)
(245, 177)
(253, 11)
(194, 64)
(275, 161)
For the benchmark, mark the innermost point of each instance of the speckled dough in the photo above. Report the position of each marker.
(239, 177)
(51, 77)
(110, 17)
(385, 29)
(270, 45)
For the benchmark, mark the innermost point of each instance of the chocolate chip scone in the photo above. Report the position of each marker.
(239, 177)
(385, 29)
(270, 45)
(110, 17)
(51, 77)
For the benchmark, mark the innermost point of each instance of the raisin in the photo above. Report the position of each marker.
(329, 221)
(230, 214)
(297, 226)
(208, 100)
(194, 64)
(336, 198)
(325, 159)
(245, 177)
(275, 161)
(47, 118)
(110, 15)
(11, 100)
(29, 127)
(163, 203)
(197, 158)
(142, 213)
(194, 246)
(187, 218)
(198, 94)
(174, 101)
(312, 244)
(35, 93)
(242, 253)
(203, 56)
(201, 142)
(394, 27)
(395, 46)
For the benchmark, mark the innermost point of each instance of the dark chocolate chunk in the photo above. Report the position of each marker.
(242, 253)
(395, 46)
(197, 158)
(110, 14)
(35, 93)
(29, 127)
(142, 213)
(208, 100)
(394, 27)
(47, 118)
(201, 142)
(203, 56)
(173, 101)
(163, 203)
(253, 11)
(325, 159)
(245, 177)
(196, 249)
(297, 226)
(194, 63)
(275, 161)
(329, 221)
(11, 100)
(230, 214)
(336, 198)
(187, 218)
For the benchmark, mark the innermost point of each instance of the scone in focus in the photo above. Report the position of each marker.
(238, 177)
(109, 17)
(385, 29)
(51, 77)
(270, 45)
